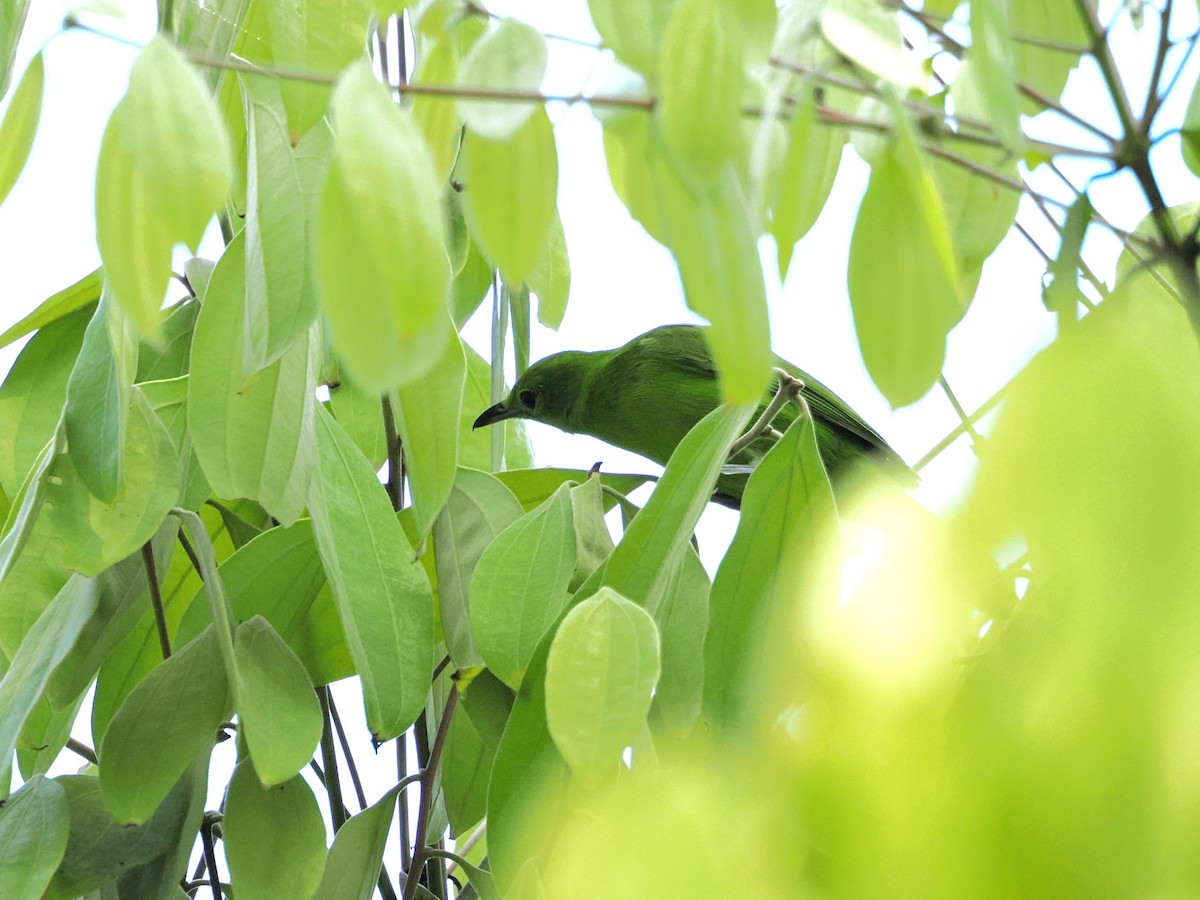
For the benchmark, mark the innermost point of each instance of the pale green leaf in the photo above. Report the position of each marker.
(274, 838)
(361, 416)
(551, 280)
(634, 31)
(98, 397)
(252, 434)
(94, 534)
(276, 706)
(641, 566)
(316, 37)
(519, 586)
(510, 195)
(48, 641)
(281, 301)
(479, 508)
(714, 239)
(701, 91)
(438, 116)
(164, 168)
(990, 70)
(381, 266)
(593, 543)
(600, 677)
(1190, 131)
(58, 306)
(903, 278)
(511, 58)
(383, 595)
(1045, 69)
(170, 717)
(12, 20)
(786, 505)
(427, 419)
(32, 396)
(869, 35)
(810, 165)
(682, 622)
(19, 125)
(33, 837)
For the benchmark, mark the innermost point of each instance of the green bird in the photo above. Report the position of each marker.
(646, 395)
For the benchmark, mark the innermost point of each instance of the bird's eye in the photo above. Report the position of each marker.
(529, 399)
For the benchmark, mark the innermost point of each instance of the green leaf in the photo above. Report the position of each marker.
(94, 534)
(701, 90)
(32, 396)
(714, 240)
(278, 576)
(168, 399)
(641, 565)
(48, 641)
(281, 301)
(475, 446)
(470, 750)
(100, 849)
(383, 594)
(361, 416)
(479, 508)
(19, 125)
(786, 507)
(427, 419)
(519, 586)
(628, 153)
(276, 706)
(990, 72)
(33, 837)
(551, 280)
(682, 622)
(532, 487)
(83, 292)
(593, 543)
(165, 166)
(45, 734)
(902, 277)
(274, 837)
(352, 867)
(510, 195)
(380, 256)
(1062, 294)
(634, 31)
(165, 722)
(511, 58)
(600, 677)
(810, 165)
(98, 398)
(251, 433)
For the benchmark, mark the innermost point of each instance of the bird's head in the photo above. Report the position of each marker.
(546, 392)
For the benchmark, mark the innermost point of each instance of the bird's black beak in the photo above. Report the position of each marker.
(493, 414)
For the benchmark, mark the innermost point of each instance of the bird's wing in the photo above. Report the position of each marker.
(828, 406)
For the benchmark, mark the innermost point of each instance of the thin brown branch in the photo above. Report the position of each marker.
(428, 775)
(156, 600)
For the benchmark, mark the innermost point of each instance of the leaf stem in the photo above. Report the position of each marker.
(333, 784)
(156, 600)
(428, 775)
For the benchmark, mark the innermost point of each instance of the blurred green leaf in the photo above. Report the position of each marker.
(510, 195)
(19, 125)
(990, 73)
(634, 31)
(164, 168)
(510, 58)
(380, 256)
(551, 280)
(357, 852)
(58, 306)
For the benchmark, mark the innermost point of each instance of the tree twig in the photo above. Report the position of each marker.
(156, 601)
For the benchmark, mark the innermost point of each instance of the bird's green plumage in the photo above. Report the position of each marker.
(646, 395)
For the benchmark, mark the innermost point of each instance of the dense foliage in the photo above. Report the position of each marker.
(216, 506)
